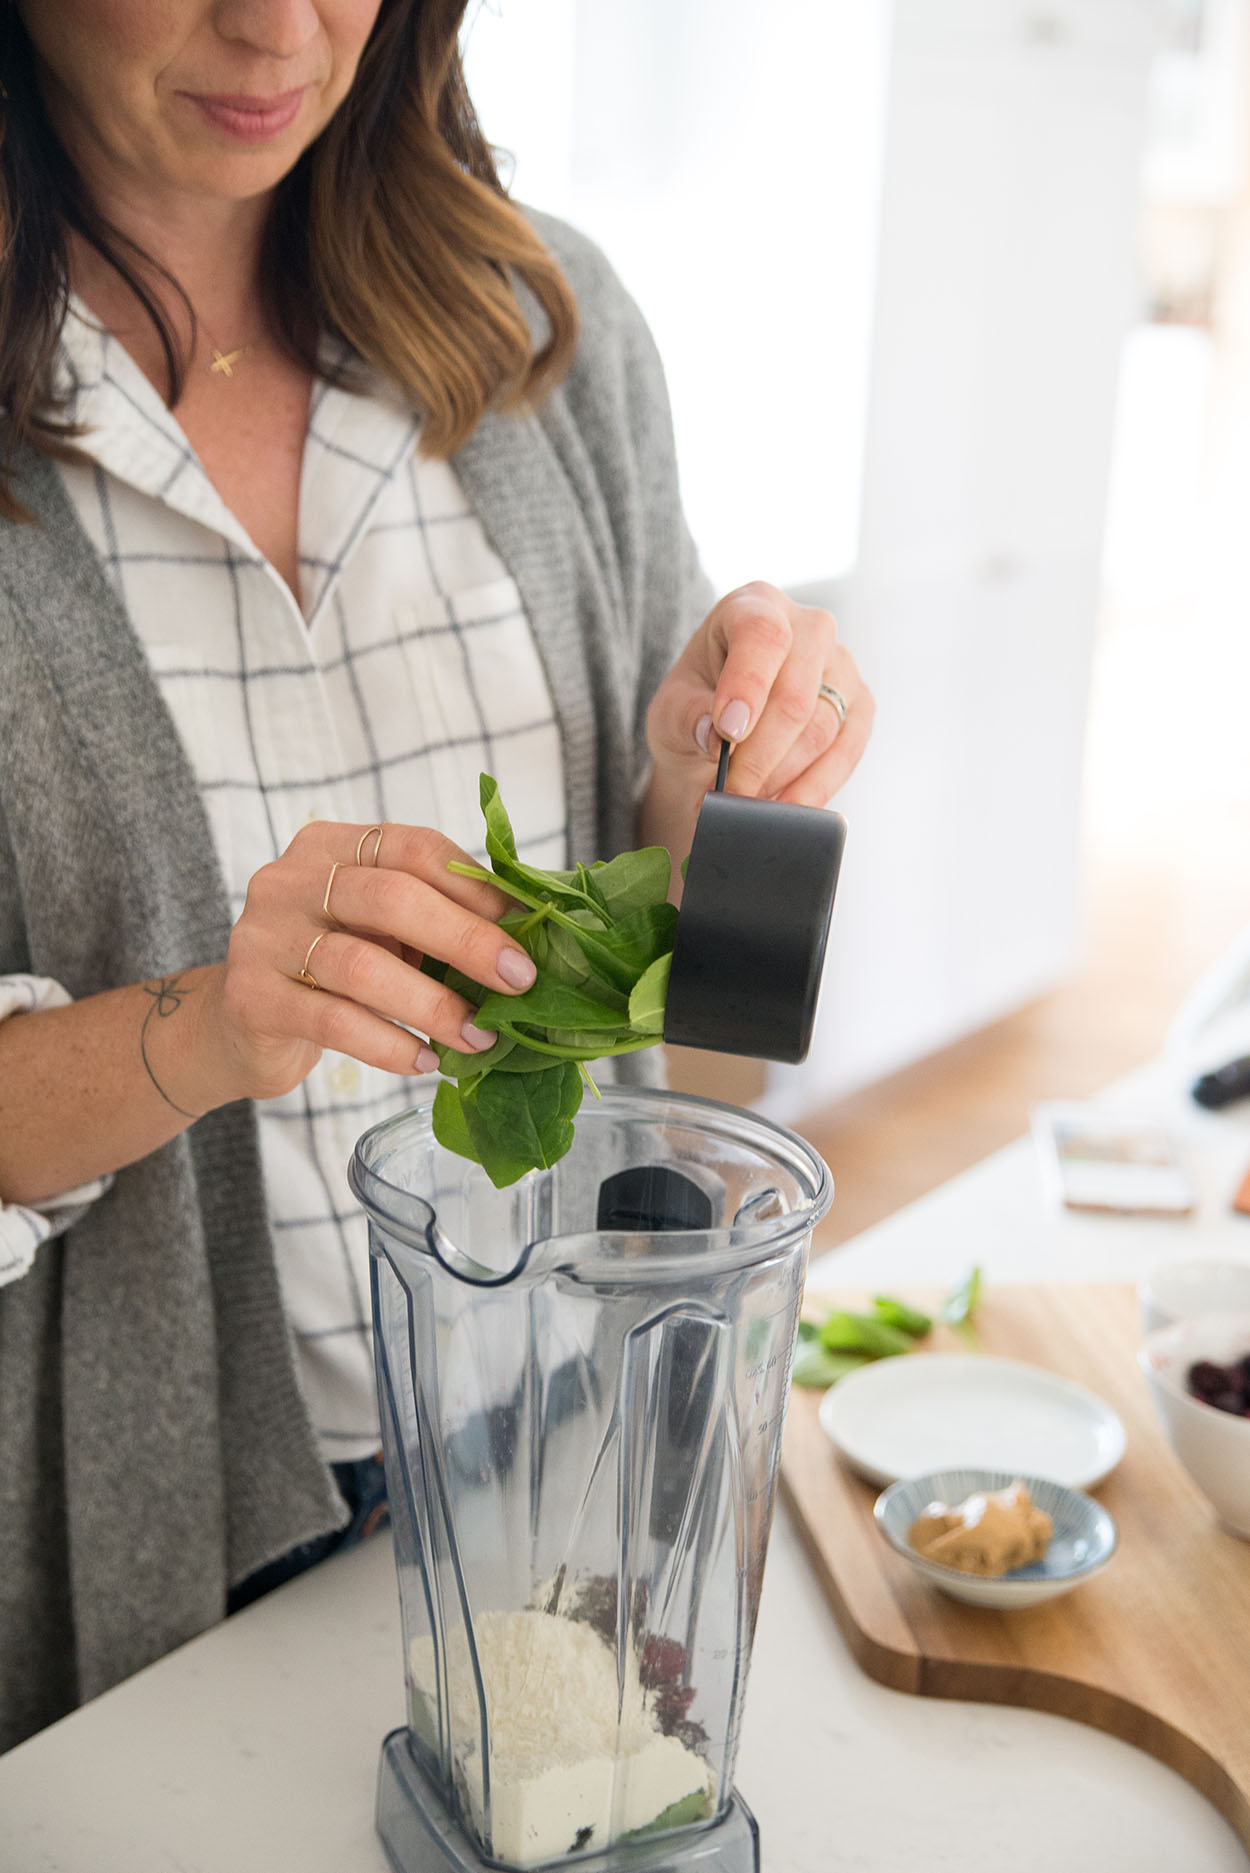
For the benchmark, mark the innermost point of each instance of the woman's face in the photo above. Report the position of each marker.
(212, 99)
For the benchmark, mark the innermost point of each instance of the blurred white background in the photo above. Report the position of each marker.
(954, 298)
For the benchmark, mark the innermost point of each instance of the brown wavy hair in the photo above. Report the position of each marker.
(392, 232)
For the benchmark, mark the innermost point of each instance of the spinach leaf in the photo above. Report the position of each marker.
(521, 1058)
(450, 1127)
(646, 935)
(520, 1122)
(646, 1001)
(593, 942)
(561, 1045)
(502, 852)
(591, 891)
(601, 937)
(960, 1306)
(567, 961)
(459, 1066)
(633, 881)
(863, 1333)
(897, 1314)
(843, 1341)
(548, 1004)
(814, 1364)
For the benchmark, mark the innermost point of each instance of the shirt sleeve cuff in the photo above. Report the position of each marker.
(23, 1226)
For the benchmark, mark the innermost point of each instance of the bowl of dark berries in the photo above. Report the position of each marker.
(1198, 1372)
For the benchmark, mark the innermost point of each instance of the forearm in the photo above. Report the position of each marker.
(89, 1088)
(666, 816)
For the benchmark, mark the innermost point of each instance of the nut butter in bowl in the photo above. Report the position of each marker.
(994, 1539)
(990, 1533)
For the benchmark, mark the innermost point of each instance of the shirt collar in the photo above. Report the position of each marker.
(357, 440)
(128, 429)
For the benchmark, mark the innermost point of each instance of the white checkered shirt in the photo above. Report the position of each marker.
(410, 669)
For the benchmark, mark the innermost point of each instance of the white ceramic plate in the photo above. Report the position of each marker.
(949, 1411)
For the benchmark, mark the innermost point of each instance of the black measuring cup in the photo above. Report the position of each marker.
(753, 925)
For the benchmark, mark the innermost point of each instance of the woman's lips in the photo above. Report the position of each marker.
(249, 119)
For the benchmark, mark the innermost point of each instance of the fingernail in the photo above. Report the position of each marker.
(427, 1060)
(475, 1039)
(703, 733)
(516, 968)
(735, 719)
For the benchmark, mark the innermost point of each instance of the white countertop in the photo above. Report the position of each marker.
(254, 1748)
(997, 1214)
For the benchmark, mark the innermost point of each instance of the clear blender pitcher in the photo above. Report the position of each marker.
(583, 1380)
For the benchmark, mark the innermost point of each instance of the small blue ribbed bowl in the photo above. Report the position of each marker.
(1084, 1538)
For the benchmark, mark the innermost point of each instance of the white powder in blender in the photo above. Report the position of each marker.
(575, 1763)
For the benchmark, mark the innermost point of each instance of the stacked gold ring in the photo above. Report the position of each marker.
(306, 974)
(325, 902)
(369, 833)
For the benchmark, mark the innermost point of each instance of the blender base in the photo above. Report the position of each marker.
(420, 1836)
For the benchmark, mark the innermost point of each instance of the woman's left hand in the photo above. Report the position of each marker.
(752, 674)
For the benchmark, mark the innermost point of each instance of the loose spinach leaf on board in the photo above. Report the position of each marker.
(863, 1333)
(814, 1364)
(601, 937)
(843, 1341)
(961, 1304)
(896, 1313)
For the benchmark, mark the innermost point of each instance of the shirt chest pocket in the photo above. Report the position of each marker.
(472, 660)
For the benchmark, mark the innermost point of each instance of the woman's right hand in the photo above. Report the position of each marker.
(392, 902)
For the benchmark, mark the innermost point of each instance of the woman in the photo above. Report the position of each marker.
(331, 479)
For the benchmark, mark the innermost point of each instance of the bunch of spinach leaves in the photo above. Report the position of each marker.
(601, 937)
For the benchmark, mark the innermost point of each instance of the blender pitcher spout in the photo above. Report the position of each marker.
(432, 1211)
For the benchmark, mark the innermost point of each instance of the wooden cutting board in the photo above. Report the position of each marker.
(1156, 1649)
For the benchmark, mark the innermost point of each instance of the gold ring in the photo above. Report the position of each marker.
(827, 693)
(325, 902)
(360, 844)
(306, 974)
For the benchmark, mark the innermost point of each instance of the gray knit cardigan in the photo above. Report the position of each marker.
(154, 1444)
